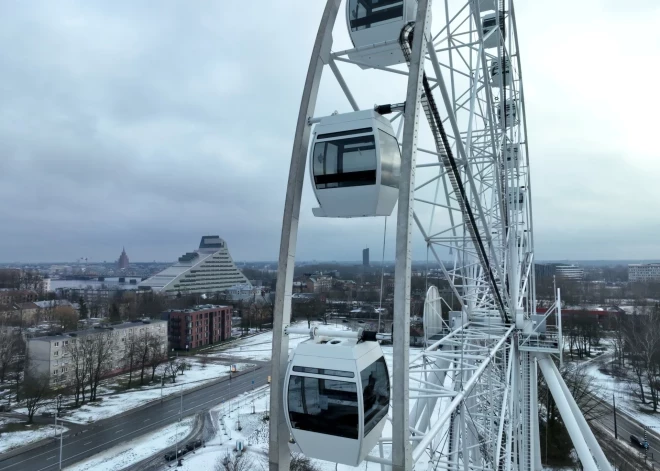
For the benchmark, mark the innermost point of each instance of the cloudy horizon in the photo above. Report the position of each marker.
(124, 125)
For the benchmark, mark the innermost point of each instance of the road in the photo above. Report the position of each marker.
(625, 425)
(110, 432)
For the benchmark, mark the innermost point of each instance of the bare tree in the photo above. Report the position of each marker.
(142, 352)
(17, 373)
(36, 392)
(172, 367)
(648, 339)
(300, 462)
(157, 354)
(237, 462)
(131, 354)
(619, 339)
(77, 350)
(10, 343)
(638, 340)
(99, 359)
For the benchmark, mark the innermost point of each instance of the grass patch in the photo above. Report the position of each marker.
(22, 427)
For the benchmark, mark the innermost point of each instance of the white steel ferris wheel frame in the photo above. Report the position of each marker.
(468, 400)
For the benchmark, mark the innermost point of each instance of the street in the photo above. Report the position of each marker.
(105, 434)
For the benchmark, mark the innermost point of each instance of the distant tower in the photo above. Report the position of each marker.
(122, 263)
(365, 257)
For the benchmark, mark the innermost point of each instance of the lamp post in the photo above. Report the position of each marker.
(616, 436)
(61, 437)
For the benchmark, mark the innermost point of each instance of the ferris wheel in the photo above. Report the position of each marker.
(449, 150)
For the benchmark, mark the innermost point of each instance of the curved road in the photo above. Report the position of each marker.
(105, 434)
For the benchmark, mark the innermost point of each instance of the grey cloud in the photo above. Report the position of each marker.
(125, 124)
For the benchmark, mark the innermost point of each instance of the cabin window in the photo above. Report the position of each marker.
(390, 160)
(367, 13)
(323, 371)
(324, 406)
(375, 393)
(345, 162)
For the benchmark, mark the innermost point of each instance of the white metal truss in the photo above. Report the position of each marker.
(468, 400)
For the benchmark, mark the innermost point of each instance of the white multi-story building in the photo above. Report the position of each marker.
(51, 355)
(644, 272)
(569, 271)
(208, 269)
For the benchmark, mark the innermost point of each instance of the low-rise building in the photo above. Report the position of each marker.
(573, 272)
(198, 326)
(14, 296)
(319, 284)
(52, 354)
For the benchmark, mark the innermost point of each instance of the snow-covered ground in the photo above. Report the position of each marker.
(116, 403)
(606, 387)
(249, 410)
(259, 347)
(125, 454)
(12, 440)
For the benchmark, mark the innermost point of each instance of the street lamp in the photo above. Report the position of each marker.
(61, 435)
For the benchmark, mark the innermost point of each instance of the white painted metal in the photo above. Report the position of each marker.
(468, 400)
(374, 27)
(278, 451)
(354, 165)
(337, 362)
(579, 442)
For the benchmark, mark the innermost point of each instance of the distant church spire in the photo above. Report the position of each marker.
(123, 263)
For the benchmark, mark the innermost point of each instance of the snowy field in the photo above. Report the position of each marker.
(260, 346)
(117, 403)
(126, 454)
(249, 410)
(12, 440)
(606, 387)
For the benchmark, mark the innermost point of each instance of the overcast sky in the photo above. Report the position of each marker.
(126, 124)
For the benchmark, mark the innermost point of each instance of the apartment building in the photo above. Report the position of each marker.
(198, 326)
(14, 296)
(51, 354)
(644, 272)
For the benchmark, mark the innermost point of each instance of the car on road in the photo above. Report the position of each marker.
(638, 442)
(48, 414)
(190, 446)
(169, 456)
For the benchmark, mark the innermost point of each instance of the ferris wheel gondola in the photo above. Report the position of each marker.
(374, 27)
(355, 165)
(337, 395)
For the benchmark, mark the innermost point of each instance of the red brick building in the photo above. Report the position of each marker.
(198, 326)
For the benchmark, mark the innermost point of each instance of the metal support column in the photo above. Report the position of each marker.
(401, 446)
(601, 459)
(553, 382)
(534, 401)
(278, 451)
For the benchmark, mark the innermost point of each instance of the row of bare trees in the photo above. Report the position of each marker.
(143, 350)
(641, 338)
(90, 360)
(94, 357)
(582, 332)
